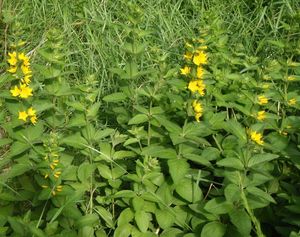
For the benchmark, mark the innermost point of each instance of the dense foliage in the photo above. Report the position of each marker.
(150, 118)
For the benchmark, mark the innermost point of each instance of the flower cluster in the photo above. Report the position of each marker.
(195, 57)
(30, 113)
(19, 67)
(256, 137)
(54, 168)
(198, 109)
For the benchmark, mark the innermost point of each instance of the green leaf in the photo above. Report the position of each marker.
(104, 171)
(261, 158)
(103, 133)
(197, 159)
(125, 217)
(159, 151)
(172, 232)
(231, 163)
(18, 169)
(138, 119)
(92, 111)
(51, 228)
(17, 148)
(242, 221)
(85, 170)
(123, 230)
(5, 141)
(115, 97)
(232, 193)
(106, 216)
(276, 142)
(178, 168)
(170, 126)
(189, 190)
(260, 193)
(213, 229)
(123, 154)
(87, 220)
(142, 220)
(86, 231)
(218, 206)
(75, 140)
(77, 120)
(164, 218)
(138, 203)
(236, 129)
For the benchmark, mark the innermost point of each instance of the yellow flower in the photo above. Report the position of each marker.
(200, 57)
(13, 59)
(256, 137)
(24, 58)
(26, 80)
(188, 56)
(33, 119)
(197, 85)
(59, 188)
(23, 115)
(193, 86)
(26, 69)
(200, 72)
(262, 100)
(25, 91)
(198, 109)
(12, 69)
(31, 111)
(261, 115)
(45, 186)
(292, 101)
(185, 71)
(57, 174)
(15, 92)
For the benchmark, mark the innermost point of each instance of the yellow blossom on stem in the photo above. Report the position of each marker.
(262, 100)
(198, 109)
(13, 59)
(256, 137)
(27, 79)
(200, 72)
(24, 59)
(185, 71)
(200, 57)
(261, 115)
(197, 86)
(292, 101)
(23, 115)
(26, 69)
(44, 186)
(15, 91)
(57, 174)
(59, 188)
(31, 111)
(33, 119)
(188, 56)
(25, 91)
(12, 69)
